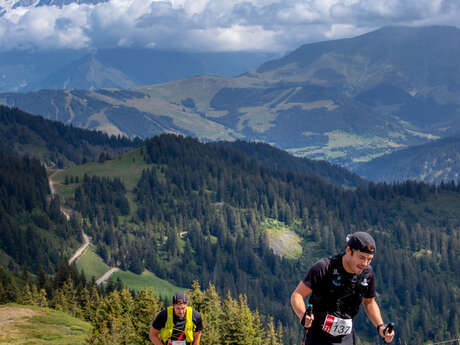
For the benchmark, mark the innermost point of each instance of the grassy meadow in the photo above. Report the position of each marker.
(34, 325)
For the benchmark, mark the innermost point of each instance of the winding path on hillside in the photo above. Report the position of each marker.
(86, 239)
(82, 249)
(106, 275)
(66, 212)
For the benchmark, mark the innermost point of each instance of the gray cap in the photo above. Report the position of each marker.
(361, 241)
(179, 297)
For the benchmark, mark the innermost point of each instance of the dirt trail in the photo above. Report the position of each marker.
(82, 249)
(66, 212)
(106, 275)
(86, 238)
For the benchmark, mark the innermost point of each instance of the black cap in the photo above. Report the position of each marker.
(179, 297)
(361, 241)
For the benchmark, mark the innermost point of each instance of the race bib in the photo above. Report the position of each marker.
(178, 342)
(336, 326)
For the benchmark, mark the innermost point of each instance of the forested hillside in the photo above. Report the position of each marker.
(278, 159)
(33, 232)
(54, 143)
(200, 212)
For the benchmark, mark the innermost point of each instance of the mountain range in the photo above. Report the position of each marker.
(347, 101)
(28, 70)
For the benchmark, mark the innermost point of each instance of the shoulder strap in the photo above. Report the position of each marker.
(189, 326)
(166, 331)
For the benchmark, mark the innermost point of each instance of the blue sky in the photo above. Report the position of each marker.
(212, 25)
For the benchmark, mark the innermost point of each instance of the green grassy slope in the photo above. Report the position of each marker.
(128, 167)
(93, 265)
(34, 325)
(147, 280)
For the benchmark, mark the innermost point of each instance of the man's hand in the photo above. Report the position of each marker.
(387, 334)
(307, 320)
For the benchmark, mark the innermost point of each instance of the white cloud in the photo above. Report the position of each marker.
(213, 24)
(233, 38)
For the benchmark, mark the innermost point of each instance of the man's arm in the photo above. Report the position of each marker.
(373, 313)
(196, 338)
(298, 303)
(154, 336)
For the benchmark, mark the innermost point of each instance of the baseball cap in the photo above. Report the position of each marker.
(361, 241)
(179, 297)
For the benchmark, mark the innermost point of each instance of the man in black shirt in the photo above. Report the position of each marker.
(337, 286)
(177, 325)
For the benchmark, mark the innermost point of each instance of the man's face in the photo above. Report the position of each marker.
(357, 261)
(180, 308)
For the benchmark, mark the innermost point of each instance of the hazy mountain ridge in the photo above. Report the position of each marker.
(409, 57)
(346, 101)
(27, 70)
(432, 162)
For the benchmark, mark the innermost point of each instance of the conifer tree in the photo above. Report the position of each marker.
(272, 337)
(146, 307)
(86, 303)
(42, 300)
(240, 326)
(211, 311)
(113, 322)
(27, 296)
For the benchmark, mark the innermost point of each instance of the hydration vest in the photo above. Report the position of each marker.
(167, 330)
(338, 296)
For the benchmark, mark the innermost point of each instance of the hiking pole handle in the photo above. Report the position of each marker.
(388, 329)
(308, 311)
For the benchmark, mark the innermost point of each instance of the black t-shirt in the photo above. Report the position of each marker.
(336, 292)
(179, 323)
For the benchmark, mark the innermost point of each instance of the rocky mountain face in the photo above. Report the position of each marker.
(347, 101)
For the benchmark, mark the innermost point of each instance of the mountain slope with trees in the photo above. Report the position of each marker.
(434, 162)
(202, 208)
(199, 212)
(33, 232)
(54, 143)
(281, 160)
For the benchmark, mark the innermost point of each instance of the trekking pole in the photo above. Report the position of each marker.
(389, 328)
(308, 312)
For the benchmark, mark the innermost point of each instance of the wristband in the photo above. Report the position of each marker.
(378, 327)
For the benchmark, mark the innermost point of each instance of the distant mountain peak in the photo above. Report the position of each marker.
(410, 56)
